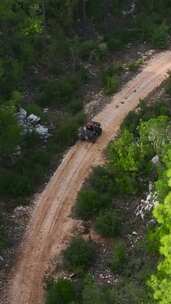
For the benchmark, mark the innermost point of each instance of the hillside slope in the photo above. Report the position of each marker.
(50, 226)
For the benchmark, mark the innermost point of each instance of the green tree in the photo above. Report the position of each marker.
(61, 291)
(10, 132)
(79, 255)
(108, 223)
(161, 280)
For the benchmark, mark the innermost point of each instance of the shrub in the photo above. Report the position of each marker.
(130, 292)
(35, 109)
(119, 257)
(131, 122)
(144, 112)
(153, 134)
(10, 131)
(79, 255)
(124, 154)
(102, 181)
(87, 204)
(63, 90)
(75, 106)
(15, 185)
(160, 36)
(108, 223)
(67, 130)
(90, 202)
(61, 292)
(111, 85)
(110, 79)
(135, 65)
(86, 48)
(93, 293)
(115, 43)
(101, 51)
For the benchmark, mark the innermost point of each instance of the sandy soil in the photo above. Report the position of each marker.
(50, 226)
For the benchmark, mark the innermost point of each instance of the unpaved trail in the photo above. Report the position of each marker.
(50, 225)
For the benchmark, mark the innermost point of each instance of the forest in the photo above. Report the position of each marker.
(34, 32)
(46, 47)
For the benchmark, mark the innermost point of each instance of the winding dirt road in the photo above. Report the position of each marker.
(50, 225)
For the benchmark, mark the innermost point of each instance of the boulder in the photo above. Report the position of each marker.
(33, 119)
(21, 116)
(42, 131)
(155, 160)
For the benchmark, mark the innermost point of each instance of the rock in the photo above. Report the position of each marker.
(17, 151)
(150, 52)
(130, 10)
(1, 258)
(152, 223)
(45, 110)
(150, 186)
(21, 116)
(155, 160)
(42, 131)
(21, 211)
(102, 47)
(33, 119)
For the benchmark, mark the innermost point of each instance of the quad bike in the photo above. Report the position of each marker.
(90, 132)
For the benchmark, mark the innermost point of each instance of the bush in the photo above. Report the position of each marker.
(115, 43)
(108, 223)
(15, 185)
(160, 36)
(90, 202)
(79, 255)
(10, 131)
(145, 112)
(35, 109)
(74, 106)
(86, 48)
(130, 292)
(124, 155)
(111, 85)
(62, 91)
(131, 122)
(119, 257)
(67, 130)
(135, 65)
(93, 293)
(110, 79)
(102, 181)
(61, 292)
(100, 52)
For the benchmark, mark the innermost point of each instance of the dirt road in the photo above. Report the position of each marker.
(50, 226)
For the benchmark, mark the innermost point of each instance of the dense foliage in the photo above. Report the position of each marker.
(161, 281)
(79, 255)
(61, 291)
(44, 48)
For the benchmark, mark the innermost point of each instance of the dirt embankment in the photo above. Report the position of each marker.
(51, 227)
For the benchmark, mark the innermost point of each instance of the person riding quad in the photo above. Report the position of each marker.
(90, 132)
